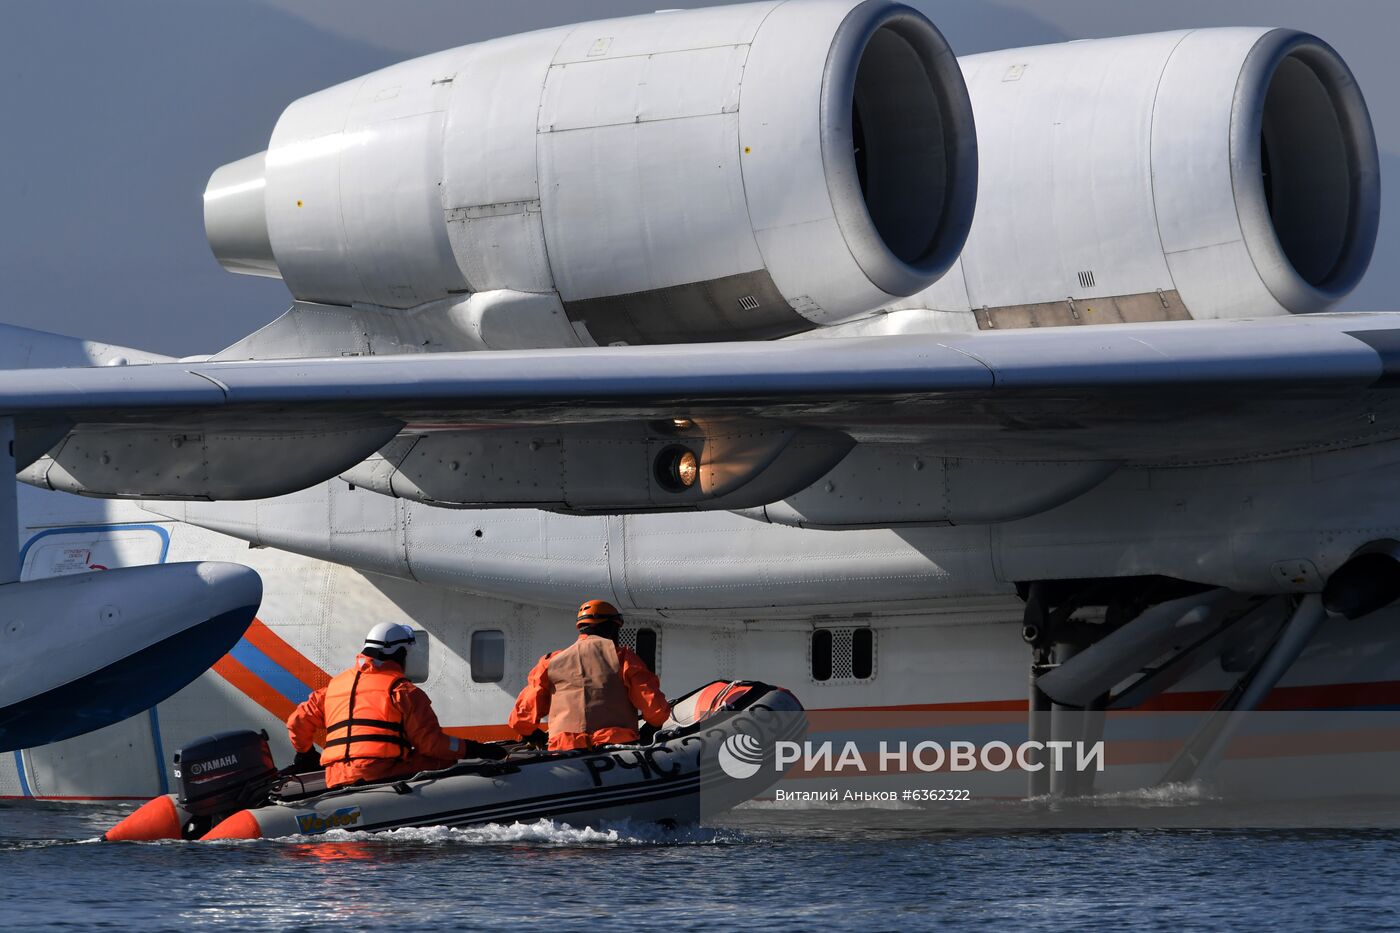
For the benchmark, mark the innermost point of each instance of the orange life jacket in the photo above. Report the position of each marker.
(361, 719)
(589, 693)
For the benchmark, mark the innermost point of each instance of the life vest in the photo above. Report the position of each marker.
(589, 693)
(361, 719)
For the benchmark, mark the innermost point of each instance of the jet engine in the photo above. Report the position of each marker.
(727, 173)
(1212, 173)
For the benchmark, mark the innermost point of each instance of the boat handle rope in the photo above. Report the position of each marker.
(714, 704)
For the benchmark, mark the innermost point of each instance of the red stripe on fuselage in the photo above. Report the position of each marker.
(1315, 696)
(484, 733)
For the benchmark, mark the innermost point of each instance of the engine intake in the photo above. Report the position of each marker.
(1211, 173)
(1309, 185)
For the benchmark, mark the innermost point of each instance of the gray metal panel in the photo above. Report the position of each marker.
(227, 462)
(882, 487)
(747, 306)
(608, 468)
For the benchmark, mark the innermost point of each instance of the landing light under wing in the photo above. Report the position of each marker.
(1174, 392)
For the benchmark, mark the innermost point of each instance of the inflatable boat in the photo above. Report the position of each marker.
(715, 752)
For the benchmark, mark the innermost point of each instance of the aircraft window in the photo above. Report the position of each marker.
(646, 642)
(488, 656)
(843, 654)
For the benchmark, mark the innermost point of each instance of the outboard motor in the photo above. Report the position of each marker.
(216, 776)
(222, 774)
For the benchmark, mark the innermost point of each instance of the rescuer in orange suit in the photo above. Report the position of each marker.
(591, 691)
(377, 725)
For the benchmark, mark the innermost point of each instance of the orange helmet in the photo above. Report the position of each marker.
(597, 610)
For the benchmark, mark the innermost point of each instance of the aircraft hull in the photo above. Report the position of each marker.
(959, 658)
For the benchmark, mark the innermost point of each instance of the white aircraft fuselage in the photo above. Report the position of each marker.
(725, 595)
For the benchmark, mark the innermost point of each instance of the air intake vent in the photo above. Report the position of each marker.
(748, 303)
(843, 654)
(1086, 279)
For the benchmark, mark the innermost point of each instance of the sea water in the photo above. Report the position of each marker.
(762, 868)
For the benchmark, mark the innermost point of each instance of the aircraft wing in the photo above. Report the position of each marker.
(1170, 393)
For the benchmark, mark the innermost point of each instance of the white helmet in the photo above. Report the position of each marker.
(389, 637)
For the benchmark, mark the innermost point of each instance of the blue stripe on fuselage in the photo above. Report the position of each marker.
(275, 675)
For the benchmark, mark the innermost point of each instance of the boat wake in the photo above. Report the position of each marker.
(1159, 795)
(543, 833)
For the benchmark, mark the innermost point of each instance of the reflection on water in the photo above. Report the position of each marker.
(335, 852)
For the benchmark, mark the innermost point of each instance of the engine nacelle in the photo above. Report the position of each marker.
(1213, 173)
(726, 173)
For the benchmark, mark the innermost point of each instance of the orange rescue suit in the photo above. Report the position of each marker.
(377, 726)
(591, 692)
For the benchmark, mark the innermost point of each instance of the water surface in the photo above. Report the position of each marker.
(768, 868)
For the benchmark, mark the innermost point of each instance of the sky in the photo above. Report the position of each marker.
(116, 111)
